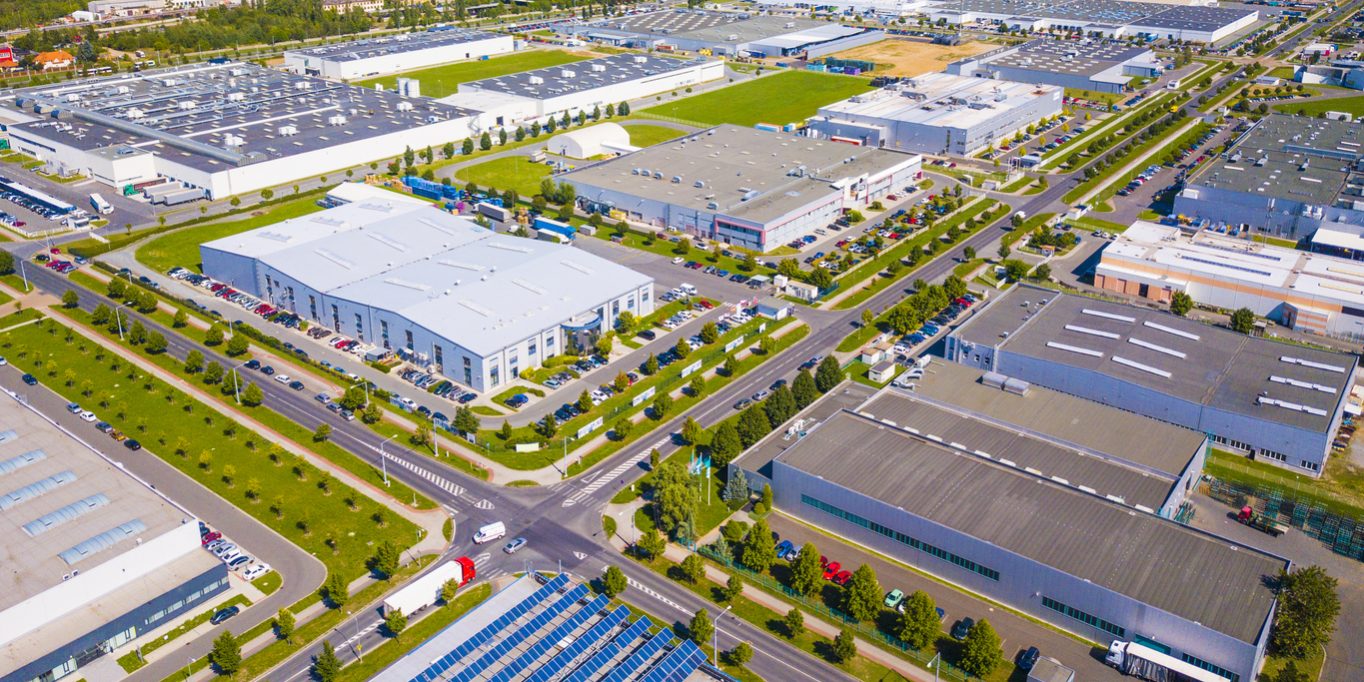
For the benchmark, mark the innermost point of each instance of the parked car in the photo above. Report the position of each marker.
(962, 627)
(221, 616)
(893, 598)
(255, 571)
(831, 569)
(132, 444)
(1028, 658)
(30, 379)
(842, 578)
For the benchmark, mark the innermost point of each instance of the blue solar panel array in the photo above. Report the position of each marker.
(515, 639)
(580, 645)
(435, 670)
(622, 672)
(678, 664)
(610, 651)
(541, 647)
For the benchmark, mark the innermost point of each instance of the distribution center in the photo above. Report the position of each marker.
(1107, 18)
(1276, 401)
(726, 33)
(391, 54)
(753, 188)
(473, 305)
(1088, 64)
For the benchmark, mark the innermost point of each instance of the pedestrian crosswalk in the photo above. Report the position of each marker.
(362, 631)
(443, 483)
(613, 474)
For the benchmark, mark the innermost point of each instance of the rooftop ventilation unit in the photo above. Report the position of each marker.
(404, 106)
(287, 131)
(336, 120)
(599, 67)
(535, 80)
(568, 73)
(641, 59)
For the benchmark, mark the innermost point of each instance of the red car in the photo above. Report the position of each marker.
(706, 304)
(831, 570)
(209, 537)
(842, 578)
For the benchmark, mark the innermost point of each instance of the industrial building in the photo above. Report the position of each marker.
(725, 33)
(753, 188)
(554, 627)
(1060, 531)
(1345, 73)
(94, 558)
(391, 54)
(1090, 64)
(1281, 403)
(1300, 290)
(473, 305)
(224, 128)
(1106, 18)
(585, 143)
(938, 113)
(1285, 176)
(530, 96)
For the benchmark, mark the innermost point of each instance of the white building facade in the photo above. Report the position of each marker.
(391, 54)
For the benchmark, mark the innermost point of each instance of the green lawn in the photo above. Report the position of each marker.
(1105, 97)
(787, 97)
(646, 135)
(290, 496)
(439, 81)
(509, 172)
(181, 247)
(1349, 105)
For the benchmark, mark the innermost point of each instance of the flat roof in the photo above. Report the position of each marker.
(565, 79)
(729, 28)
(443, 272)
(1298, 158)
(187, 114)
(1086, 57)
(1214, 582)
(1112, 12)
(941, 99)
(747, 173)
(1211, 366)
(434, 37)
(56, 494)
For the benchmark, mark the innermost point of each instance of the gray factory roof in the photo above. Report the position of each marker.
(1212, 366)
(63, 506)
(1115, 12)
(480, 289)
(404, 42)
(215, 117)
(1290, 157)
(941, 99)
(747, 173)
(557, 81)
(1140, 442)
(1085, 58)
(1177, 569)
(715, 27)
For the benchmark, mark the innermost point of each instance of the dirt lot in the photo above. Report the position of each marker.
(896, 57)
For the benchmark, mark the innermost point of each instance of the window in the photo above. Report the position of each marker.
(383, 332)
(312, 306)
(901, 538)
(549, 343)
(1310, 466)
(336, 319)
(1216, 670)
(1093, 621)
(615, 308)
(530, 348)
(644, 296)
(440, 357)
(1274, 455)
(409, 338)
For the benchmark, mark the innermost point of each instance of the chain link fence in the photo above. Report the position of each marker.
(1344, 535)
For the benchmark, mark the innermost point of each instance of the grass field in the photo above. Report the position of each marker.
(910, 58)
(181, 247)
(1349, 105)
(509, 172)
(782, 98)
(439, 81)
(646, 135)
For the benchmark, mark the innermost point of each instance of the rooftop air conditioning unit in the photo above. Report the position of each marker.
(336, 120)
(302, 85)
(287, 131)
(641, 59)
(677, 179)
(236, 96)
(699, 184)
(404, 106)
(233, 140)
(187, 105)
(568, 73)
(599, 67)
(535, 80)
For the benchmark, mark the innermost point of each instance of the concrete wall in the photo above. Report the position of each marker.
(1022, 582)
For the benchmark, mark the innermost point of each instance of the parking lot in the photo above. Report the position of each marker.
(77, 194)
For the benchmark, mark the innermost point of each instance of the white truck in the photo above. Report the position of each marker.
(425, 591)
(101, 206)
(1143, 662)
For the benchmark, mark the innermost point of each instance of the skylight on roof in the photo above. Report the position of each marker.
(1302, 384)
(1092, 332)
(1171, 330)
(1108, 315)
(1314, 365)
(1158, 348)
(1075, 349)
(1145, 368)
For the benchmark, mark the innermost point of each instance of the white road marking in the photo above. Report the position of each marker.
(579, 555)
(631, 582)
(482, 559)
(615, 473)
(443, 483)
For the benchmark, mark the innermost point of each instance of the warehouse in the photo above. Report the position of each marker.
(1300, 290)
(938, 113)
(94, 558)
(1345, 73)
(1107, 18)
(1024, 520)
(586, 143)
(536, 95)
(544, 627)
(1089, 64)
(224, 129)
(1285, 176)
(391, 54)
(726, 33)
(1280, 403)
(475, 306)
(753, 188)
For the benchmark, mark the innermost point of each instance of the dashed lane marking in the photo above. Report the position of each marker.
(632, 583)
(615, 473)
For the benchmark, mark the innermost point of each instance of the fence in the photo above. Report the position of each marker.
(946, 671)
(1342, 534)
(673, 119)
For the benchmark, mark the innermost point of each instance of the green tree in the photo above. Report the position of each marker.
(548, 426)
(651, 365)
(828, 374)
(1243, 320)
(691, 431)
(650, 544)
(753, 425)
(767, 495)
(862, 599)
(252, 395)
(156, 343)
(385, 560)
(466, 421)
(70, 299)
(806, 573)
(780, 406)
(1181, 303)
(674, 494)
(663, 404)
(803, 389)
(710, 333)
(213, 374)
(732, 589)
(697, 385)
(613, 582)
(506, 431)
(326, 667)
(285, 624)
(758, 552)
(741, 654)
(693, 568)
(214, 336)
(682, 348)
(237, 345)
(336, 589)
(701, 628)
(395, 621)
(918, 626)
(1308, 606)
(6, 263)
(622, 428)
(181, 319)
(323, 432)
(845, 647)
(226, 655)
(793, 622)
(448, 590)
(735, 493)
(625, 322)
(980, 651)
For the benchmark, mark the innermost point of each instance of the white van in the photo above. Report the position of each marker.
(490, 532)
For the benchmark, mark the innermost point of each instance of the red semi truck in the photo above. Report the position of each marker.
(425, 591)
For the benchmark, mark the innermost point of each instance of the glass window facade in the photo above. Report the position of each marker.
(1077, 614)
(1216, 670)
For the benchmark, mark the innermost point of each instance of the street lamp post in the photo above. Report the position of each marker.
(236, 389)
(24, 274)
(715, 638)
(119, 319)
(383, 457)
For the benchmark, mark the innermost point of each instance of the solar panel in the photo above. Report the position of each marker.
(677, 665)
(610, 651)
(505, 646)
(580, 645)
(544, 644)
(641, 656)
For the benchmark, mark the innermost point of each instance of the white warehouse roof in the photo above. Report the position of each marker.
(446, 274)
(587, 142)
